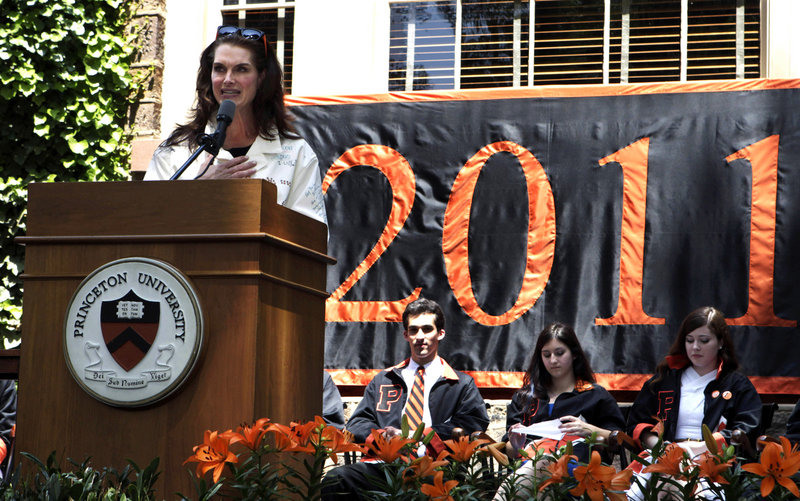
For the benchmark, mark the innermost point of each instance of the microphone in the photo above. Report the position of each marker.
(211, 142)
(224, 118)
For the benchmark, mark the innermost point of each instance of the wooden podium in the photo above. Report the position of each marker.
(259, 272)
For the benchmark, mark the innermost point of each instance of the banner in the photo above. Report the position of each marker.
(615, 209)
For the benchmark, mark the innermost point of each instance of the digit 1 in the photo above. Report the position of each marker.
(763, 158)
(633, 160)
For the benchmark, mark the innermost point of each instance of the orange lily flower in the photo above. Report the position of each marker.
(287, 441)
(620, 483)
(593, 479)
(249, 435)
(463, 448)
(385, 449)
(212, 455)
(337, 441)
(778, 463)
(309, 431)
(711, 468)
(669, 463)
(423, 467)
(558, 471)
(439, 491)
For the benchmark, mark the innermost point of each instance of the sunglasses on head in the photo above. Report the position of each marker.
(427, 329)
(248, 33)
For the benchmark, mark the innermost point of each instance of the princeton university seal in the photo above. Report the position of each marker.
(133, 332)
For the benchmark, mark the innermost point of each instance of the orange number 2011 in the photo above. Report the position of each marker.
(633, 160)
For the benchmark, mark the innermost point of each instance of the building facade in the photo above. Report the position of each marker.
(351, 47)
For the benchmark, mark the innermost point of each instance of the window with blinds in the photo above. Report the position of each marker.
(430, 64)
(714, 40)
(487, 50)
(568, 38)
(276, 19)
(454, 44)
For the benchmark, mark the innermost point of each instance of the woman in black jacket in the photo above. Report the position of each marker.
(558, 385)
(697, 383)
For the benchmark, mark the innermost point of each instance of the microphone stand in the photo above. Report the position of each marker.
(207, 142)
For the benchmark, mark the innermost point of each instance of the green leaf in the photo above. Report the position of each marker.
(65, 84)
(42, 130)
(108, 146)
(78, 147)
(711, 443)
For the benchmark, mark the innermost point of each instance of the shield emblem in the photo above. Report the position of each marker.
(129, 326)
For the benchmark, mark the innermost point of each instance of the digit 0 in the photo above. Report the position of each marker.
(541, 240)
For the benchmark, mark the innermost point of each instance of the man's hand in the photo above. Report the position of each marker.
(391, 431)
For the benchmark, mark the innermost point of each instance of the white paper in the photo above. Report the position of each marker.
(544, 429)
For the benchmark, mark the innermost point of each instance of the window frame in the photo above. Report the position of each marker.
(625, 39)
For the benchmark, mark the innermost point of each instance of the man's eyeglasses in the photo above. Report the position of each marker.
(248, 33)
(427, 329)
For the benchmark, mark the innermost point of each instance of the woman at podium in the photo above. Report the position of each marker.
(239, 112)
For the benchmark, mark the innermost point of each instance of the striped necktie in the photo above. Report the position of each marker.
(415, 406)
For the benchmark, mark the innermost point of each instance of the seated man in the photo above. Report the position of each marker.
(443, 399)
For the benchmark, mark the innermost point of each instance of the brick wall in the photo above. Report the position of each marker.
(150, 20)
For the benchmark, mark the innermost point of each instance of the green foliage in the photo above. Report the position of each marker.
(82, 482)
(65, 92)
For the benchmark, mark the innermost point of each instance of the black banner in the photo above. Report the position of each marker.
(616, 209)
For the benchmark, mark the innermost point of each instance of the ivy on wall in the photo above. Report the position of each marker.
(65, 93)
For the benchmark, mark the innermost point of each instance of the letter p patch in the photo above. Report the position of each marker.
(388, 394)
(666, 399)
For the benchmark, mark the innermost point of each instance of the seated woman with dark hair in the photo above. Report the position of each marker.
(697, 384)
(559, 385)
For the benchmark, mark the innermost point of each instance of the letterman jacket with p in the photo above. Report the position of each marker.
(454, 402)
(731, 403)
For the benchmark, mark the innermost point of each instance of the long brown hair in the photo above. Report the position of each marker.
(268, 105)
(538, 378)
(715, 321)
